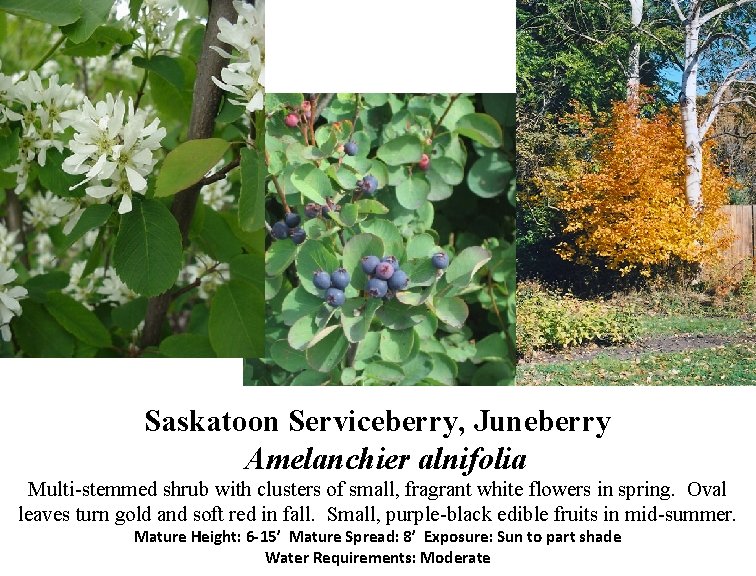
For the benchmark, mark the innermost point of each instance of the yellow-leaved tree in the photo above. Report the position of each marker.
(625, 202)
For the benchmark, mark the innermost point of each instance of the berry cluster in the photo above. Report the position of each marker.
(289, 228)
(292, 119)
(333, 284)
(313, 210)
(368, 185)
(383, 275)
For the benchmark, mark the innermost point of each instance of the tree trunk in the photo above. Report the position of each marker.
(689, 112)
(633, 64)
(206, 100)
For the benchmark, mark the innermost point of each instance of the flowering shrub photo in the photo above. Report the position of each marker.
(131, 178)
(390, 240)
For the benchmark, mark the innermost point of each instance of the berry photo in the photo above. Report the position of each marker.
(389, 255)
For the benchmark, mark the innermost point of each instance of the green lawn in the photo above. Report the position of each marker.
(733, 365)
(662, 325)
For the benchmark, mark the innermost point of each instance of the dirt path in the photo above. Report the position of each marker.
(654, 344)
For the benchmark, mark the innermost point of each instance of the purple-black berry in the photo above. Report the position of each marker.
(369, 184)
(369, 263)
(398, 280)
(292, 219)
(334, 297)
(298, 235)
(440, 260)
(350, 148)
(340, 278)
(279, 230)
(321, 280)
(377, 288)
(384, 270)
(312, 210)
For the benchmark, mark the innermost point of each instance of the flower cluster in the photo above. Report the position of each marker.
(42, 114)
(113, 147)
(156, 22)
(103, 285)
(244, 77)
(211, 275)
(46, 211)
(9, 297)
(9, 246)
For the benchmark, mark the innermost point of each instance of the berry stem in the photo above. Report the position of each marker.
(277, 184)
(356, 115)
(448, 107)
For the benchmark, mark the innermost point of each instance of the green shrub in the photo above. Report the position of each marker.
(549, 320)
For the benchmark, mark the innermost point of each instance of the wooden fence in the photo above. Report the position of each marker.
(742, 220)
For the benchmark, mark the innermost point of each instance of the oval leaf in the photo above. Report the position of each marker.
(313, 183)
(148, 253)
(481, 128)
(406, 149)
(237, 320)
(188, 163)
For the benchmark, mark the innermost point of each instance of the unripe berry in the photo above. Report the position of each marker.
(279, 230)
(424, 163)
(334, 297)
(369, 263)
(291, 120)
(384, 270)
(440, 260)
(321, 280)
(377, 288)
(340, 278)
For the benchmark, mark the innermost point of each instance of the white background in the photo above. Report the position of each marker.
(84, 422)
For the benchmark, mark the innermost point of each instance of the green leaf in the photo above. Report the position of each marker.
(421, 246)
(449, 170)
(78, 320)
(128, 316)
(314, 256)
(237, 320)
(490, 175)
(356, 316)
(416, 369)
(148, 253)
(313, 183)
(393, 244)
(407, 149)
(39, 335)
(328, 352)
(166, 67)
(286, 357)
(501, 107)
(279, 256)
(94, 13)
(384, 372)
(249, 267)
(481, 128)
(413, 192)
(8, 149)
(52, 176)
(464, 266)
(309, 378)
(452, 311)
(396, 345)
(495, 374)
(348, 215)
(369, 206)
(134, 6)
(357, 247)
(188, 163)
(217, 237)
(302, 332)
(252, 196)
(56, 12)
(39, 286)
(100, 43)
(397, 316)
(187, 346)
(93, 217)
(492, 348)
(299, 303)
(444, 370)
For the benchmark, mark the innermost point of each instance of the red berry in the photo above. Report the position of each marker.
(291, 120)
(424, 163)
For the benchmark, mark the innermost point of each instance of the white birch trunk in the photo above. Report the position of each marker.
(689, 111)
(633, 65)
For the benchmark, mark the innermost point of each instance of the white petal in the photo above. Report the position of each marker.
(137, 181)
(125, 206)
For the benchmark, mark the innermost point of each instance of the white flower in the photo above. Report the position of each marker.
(113, 289)
(9, 297)
(82, 289)
(45, 254)
(113, 146)
(216, 194)
(8, 246)
(46, 211)
(211, 275)
(156, 23)
(7, 90)
(245, 74)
